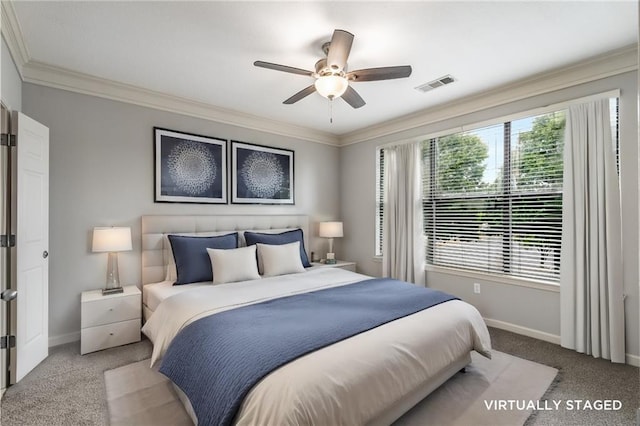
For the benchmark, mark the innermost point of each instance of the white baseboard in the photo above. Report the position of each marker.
(518, 329)
(64, 338)
(631, 359)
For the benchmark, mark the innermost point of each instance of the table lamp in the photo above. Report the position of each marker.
(112, 240)
(330, 230)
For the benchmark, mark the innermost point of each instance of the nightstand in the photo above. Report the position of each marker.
(111, 320)
(349, 266)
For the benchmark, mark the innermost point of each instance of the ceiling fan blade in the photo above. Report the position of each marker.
(301, 94)
(283, 68)
(339, 49)
(384, 73)
(352, 97)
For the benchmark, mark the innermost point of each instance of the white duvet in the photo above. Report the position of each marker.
(349, 382)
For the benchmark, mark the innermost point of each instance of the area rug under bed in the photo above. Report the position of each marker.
(138, 395)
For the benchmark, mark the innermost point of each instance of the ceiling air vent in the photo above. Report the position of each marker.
(447, 79)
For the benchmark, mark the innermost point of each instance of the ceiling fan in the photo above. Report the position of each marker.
(332, 77)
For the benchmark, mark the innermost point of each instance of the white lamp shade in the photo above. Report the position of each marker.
(331, 86)
(330, 229)
(111, 239)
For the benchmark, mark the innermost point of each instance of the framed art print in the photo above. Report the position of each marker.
(189, 168)
(261, 174)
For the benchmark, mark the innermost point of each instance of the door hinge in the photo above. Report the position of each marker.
(7, 139)
(7, 342)
(7, 240)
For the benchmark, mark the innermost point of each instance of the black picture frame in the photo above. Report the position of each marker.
(189, 168)
(262, 174)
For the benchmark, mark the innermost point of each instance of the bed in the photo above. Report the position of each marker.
(370, 378)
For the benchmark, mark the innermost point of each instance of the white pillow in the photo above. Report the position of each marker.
(280, 259)
(233, 265)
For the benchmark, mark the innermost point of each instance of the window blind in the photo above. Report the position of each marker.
(614, 108)
(495, 198)
(492, 197)
(379, 200)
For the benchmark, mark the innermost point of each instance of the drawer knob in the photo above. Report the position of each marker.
(110, 309)
(110, 334)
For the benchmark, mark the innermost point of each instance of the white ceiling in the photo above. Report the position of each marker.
(205, 51)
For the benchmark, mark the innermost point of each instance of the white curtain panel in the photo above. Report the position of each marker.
(403, 241)
(591, 288)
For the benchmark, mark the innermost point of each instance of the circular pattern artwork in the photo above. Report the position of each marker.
(192, 167)
(262, 174)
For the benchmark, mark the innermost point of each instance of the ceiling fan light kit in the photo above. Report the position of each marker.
(332, 79)
(331, 86)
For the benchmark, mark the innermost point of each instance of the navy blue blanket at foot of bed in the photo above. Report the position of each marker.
(218, 359)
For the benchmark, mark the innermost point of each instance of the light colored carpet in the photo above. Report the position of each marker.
(137, 395)
(67, 389)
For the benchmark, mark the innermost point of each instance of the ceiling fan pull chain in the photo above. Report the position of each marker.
(331, 111)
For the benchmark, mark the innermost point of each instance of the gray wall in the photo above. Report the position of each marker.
(521, 306)
(101, 174)
(11, 84)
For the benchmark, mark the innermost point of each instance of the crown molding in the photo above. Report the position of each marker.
(12, 33)
(612, 63)
(61, 78)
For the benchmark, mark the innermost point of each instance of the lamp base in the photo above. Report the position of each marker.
(114, 290)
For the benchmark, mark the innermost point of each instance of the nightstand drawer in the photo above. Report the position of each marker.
(110, 309)
(108, 336)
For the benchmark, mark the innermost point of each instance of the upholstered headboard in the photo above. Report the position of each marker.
(154, 229)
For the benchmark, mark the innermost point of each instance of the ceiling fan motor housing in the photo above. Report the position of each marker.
(322, 69)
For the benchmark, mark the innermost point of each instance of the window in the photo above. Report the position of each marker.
(379, 200)
(614, 107)
(493, 197)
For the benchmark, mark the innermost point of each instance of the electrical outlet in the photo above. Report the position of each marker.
(476, 288)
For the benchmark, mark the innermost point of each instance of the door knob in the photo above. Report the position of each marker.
(8, 295)
(45, 254)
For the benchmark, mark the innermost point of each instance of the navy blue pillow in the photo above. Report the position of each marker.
(193, 264)
(279, 239)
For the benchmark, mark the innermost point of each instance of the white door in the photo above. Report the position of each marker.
(32, 242)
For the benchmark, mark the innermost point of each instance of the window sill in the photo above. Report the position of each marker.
(538, 285)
